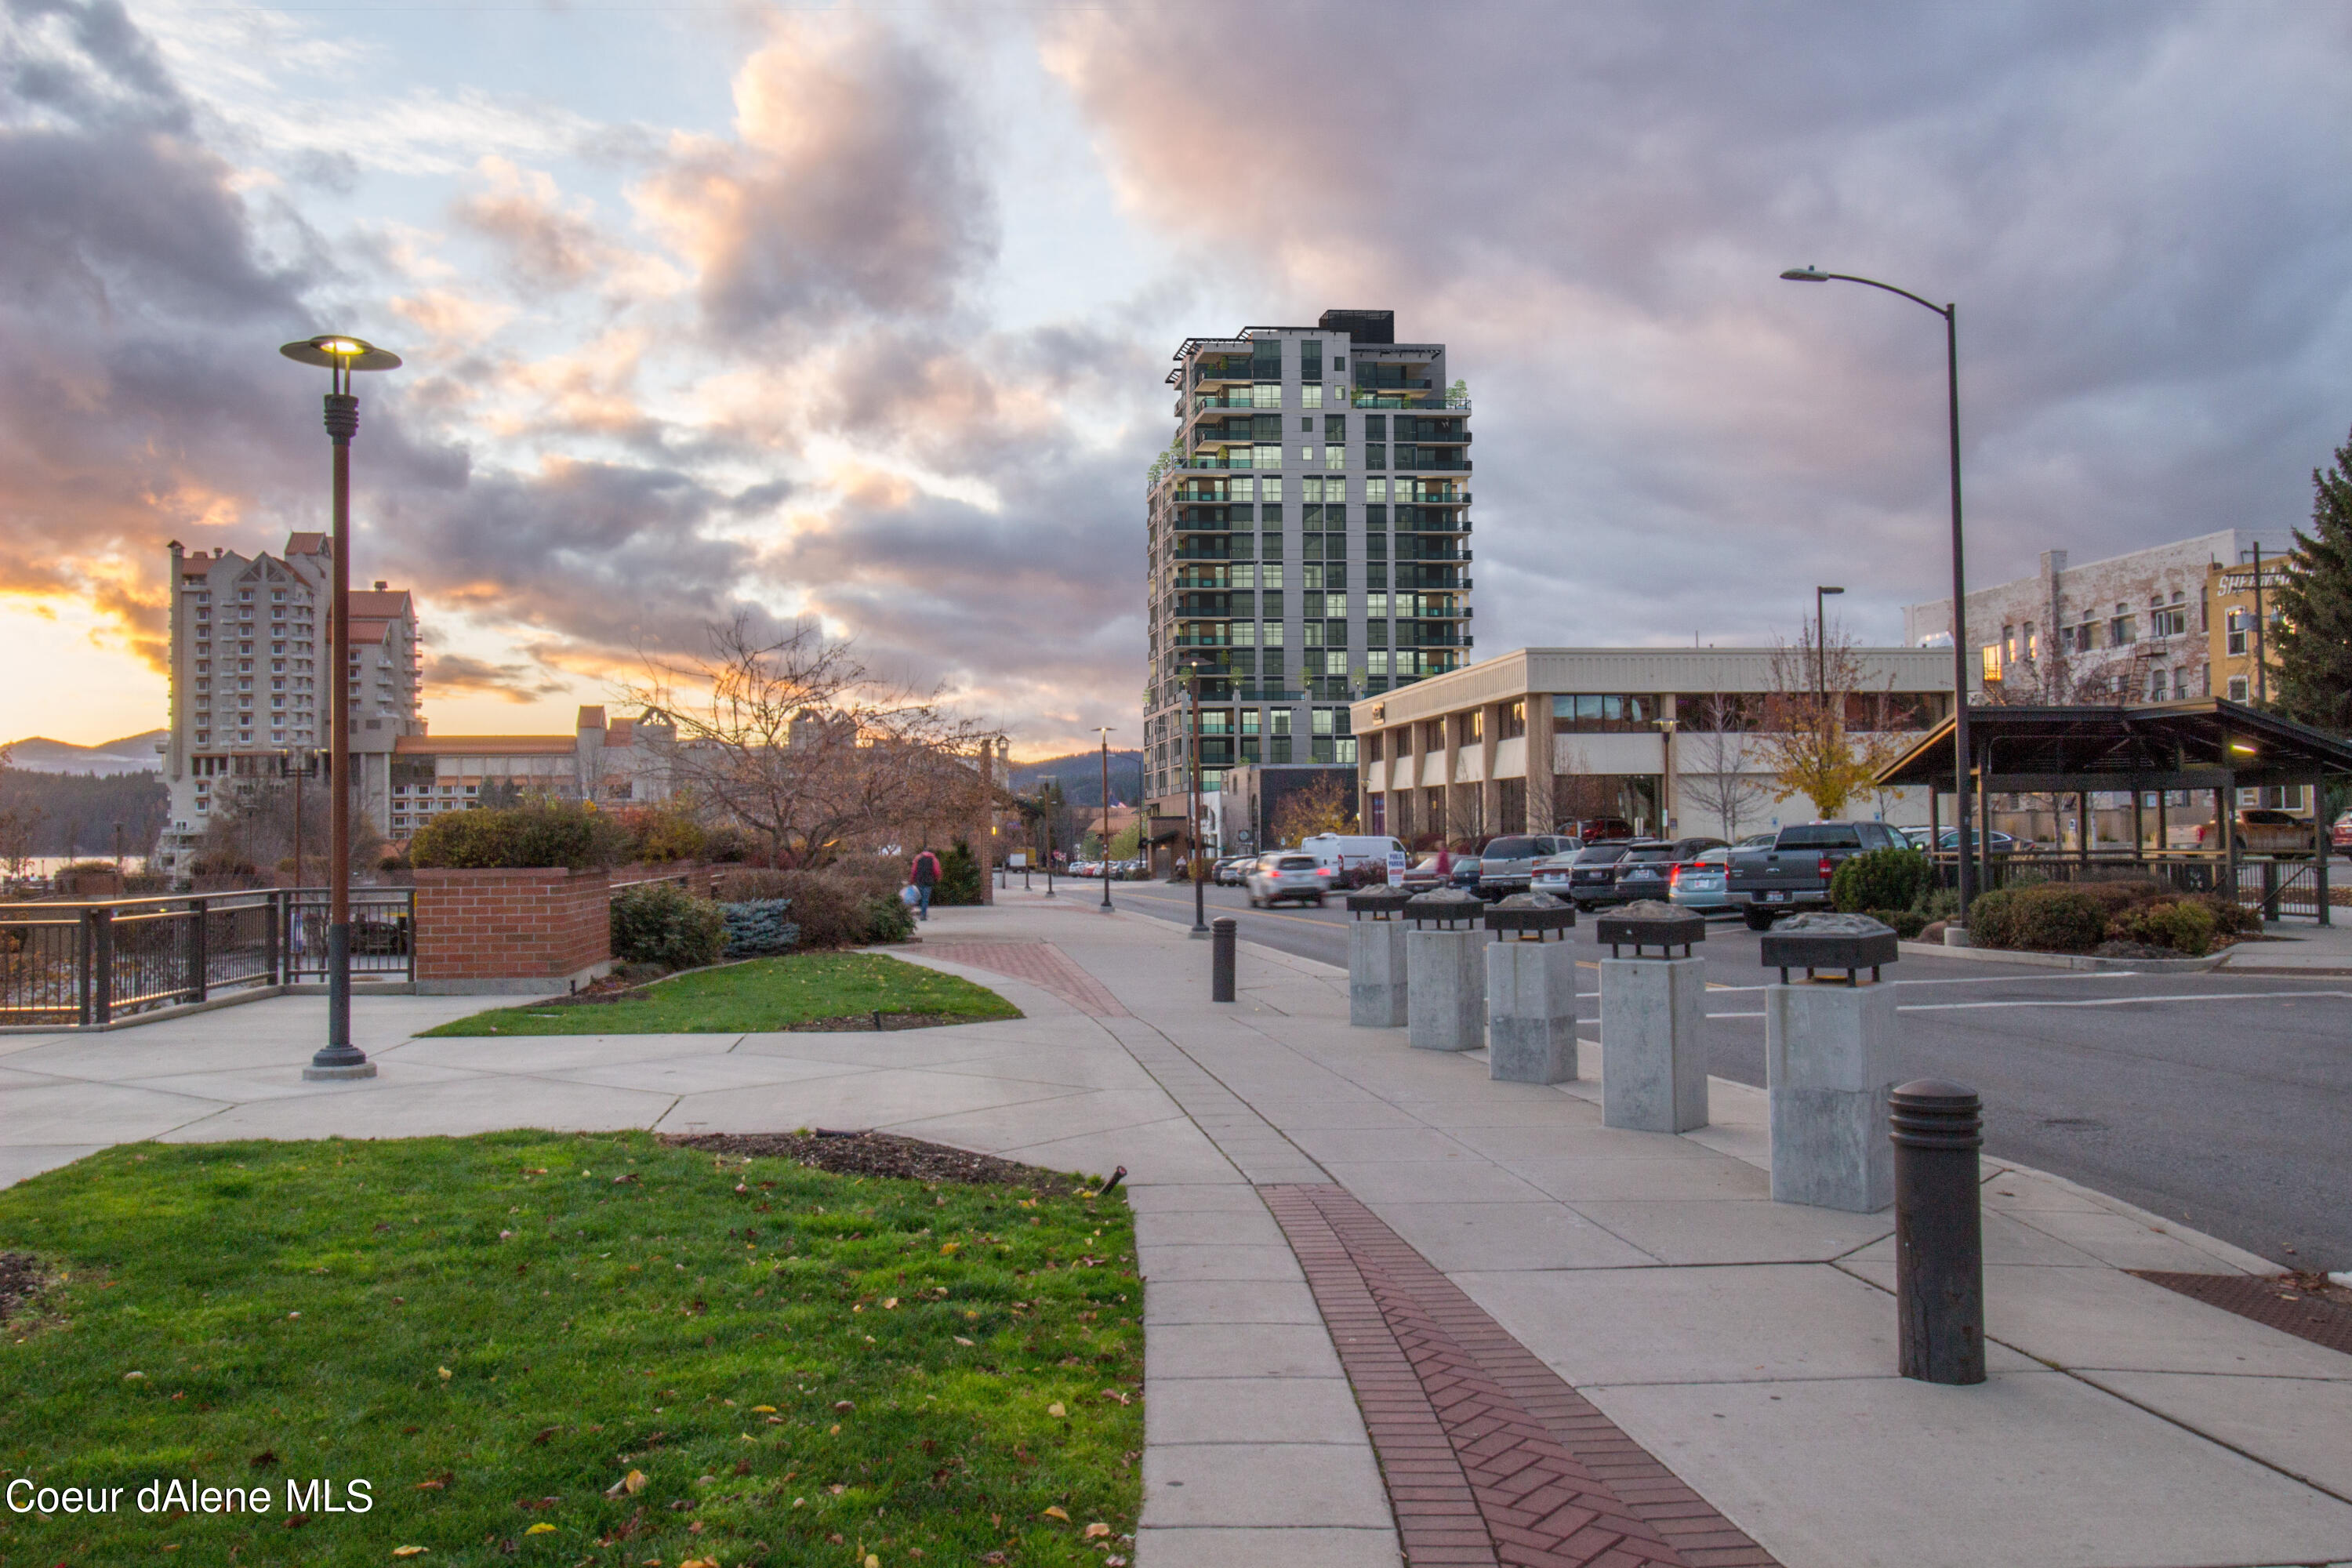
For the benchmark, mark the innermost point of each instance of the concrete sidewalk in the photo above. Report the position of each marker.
(1715, 1368)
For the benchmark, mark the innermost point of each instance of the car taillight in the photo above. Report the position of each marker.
(1674, 876)
(1827, 869)
(1322, 870)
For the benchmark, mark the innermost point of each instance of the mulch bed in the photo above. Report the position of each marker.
(2303, 1304)
(870, 1022)
(880, 1154)
(20, 1280)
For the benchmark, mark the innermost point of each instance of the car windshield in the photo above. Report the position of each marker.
(1294, 863)
(1513, 849)
(1600, 855)
(1821, 836)
(1651, 852)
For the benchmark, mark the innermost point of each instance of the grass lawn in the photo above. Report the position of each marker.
(743, 998)
(501, 1336)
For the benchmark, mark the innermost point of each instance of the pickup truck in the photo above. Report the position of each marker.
(2275, 833)
(1795, 871)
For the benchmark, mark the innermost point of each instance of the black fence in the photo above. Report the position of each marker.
(2280, 887)
(74, 966)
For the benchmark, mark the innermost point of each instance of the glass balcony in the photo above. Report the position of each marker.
(1376, 399)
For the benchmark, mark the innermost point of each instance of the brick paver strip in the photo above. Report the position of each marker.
(1038, 962)
(2279, 1303)
(1489, 1456)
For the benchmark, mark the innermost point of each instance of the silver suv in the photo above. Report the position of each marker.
(1287, 875)
(1506, 863)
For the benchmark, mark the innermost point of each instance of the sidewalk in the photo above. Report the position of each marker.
(1393, 1302)
(2304, 949)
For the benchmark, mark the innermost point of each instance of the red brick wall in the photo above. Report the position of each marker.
(543, 925)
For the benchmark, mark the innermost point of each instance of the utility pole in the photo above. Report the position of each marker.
(1106, 815)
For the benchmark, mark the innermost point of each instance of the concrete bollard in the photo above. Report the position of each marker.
(1936, 1128)
(1221, 958)
(1376, 960)
(1445, 979)
(1653, 1020)
(1531, 990)
(1829, 1063)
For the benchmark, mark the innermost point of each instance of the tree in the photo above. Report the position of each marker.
(1709, 747)
(1804, 737)
(251, 828)
(2313, 641)
(1327, 805)
(19, 821)
(791, 735)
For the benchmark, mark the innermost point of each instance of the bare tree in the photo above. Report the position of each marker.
(792, 736)
(18, 825)
(1710, 750)
(1806, 735)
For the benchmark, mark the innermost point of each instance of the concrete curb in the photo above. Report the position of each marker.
(2075, 960)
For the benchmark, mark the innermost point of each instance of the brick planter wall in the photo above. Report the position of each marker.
(522, 931)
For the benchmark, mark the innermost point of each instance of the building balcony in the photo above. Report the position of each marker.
(1427, 467)
(1431, 400)
(1204, 641)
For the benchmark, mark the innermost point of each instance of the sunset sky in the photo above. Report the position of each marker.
(862, 311)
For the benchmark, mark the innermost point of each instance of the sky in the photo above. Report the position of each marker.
(862, 312)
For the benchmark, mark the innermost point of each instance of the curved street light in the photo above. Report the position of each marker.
(341, 355)
(1960, 771)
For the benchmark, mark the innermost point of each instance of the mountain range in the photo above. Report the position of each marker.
(131, 754)
(1080, 774)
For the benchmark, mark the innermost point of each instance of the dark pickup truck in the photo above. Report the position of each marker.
(1794, 873)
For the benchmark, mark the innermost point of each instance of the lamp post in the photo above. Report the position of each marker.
(1193, 828)
(340, 356)
(1105, 729)
(1821, 645)
(1960, 756)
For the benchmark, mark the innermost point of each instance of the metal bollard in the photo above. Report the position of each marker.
(1221, 959)
(1936, 1128)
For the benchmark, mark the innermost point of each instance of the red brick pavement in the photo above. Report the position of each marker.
(1489, 1456)
(1038, 962)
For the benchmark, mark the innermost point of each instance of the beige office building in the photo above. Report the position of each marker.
(1661, 738)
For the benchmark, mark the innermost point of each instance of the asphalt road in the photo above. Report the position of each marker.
(2222, 1102)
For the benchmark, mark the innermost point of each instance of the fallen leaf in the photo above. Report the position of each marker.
(962, 1341)
(1056, 1511)
(764, 1410)
(872, 1560)
(264, 1459)
(1055, 1410)
(891, 1303)
(631, 1484)
(446, 1374)
(1096, 1530)
(952, 1246)
(410, 1551)
(543, 1528)
(544, 1434)
(844, 1406)
(438, 1483)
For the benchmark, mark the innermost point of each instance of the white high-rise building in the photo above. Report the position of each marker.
(250, 672)
(1307, 542)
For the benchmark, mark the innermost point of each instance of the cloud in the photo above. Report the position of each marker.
(548, 242)
(456, 675)
(850, 185)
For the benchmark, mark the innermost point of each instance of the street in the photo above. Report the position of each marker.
(2221, 1100)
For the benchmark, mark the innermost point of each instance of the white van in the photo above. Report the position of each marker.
(1343, 851)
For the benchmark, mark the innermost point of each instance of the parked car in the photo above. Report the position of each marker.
(1601, 829)
(1647, 869)
(1795, 872)
(1345, 851)
(1229, 872)
(1504, 866)
(2277, 833)
(2340, 835)
(1287, 875)
(1586, 874)
(1995, 842)
(1703, 882)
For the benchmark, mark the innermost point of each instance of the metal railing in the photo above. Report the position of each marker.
(2278, 886)
(79, 965)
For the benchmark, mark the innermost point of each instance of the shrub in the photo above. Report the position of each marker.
(662, 833)
(1882, 880)
(2230, 917)
(1907, 923)
(1936, 903)
(541, 834)
(887, 920)
(757, 928)
(661, 923)
(2179, 924)
(2049, 917)
(958, 877)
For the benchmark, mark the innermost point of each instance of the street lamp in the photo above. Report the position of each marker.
(1960, 768)
(340, 356)
(1192, 673)
(1821, 645)
(1105, 729)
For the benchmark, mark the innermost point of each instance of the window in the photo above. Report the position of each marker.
(1474, 726)
(1514, 719)
(2033, 642)
(2238, 688)
(2008, 647)
(1335, 456)
(2123, 628)
(1376, 456)
(1307, 422)
(2168, 621)
(1265, 396)
(1589, 714)
(1989, 658)
(1310, 397)
(2235, 627)
(1372, 748)
(1310, 362)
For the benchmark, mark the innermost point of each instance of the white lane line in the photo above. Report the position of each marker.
(2097, 1002)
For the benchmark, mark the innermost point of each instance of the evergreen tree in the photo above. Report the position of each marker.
(2312, 681)
(958, 877)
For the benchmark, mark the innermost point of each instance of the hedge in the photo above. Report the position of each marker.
(521, 837)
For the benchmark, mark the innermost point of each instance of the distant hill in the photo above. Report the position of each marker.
(1080, 773)
(131, 754)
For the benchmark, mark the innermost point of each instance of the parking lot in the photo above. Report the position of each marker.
(2220, 1100)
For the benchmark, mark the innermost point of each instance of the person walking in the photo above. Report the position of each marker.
(923, 876)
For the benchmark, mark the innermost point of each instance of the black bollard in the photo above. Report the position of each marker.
(1938, 1231)
(1221, 959)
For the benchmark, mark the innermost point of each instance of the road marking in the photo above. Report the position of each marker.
(2098, 1002)
(1245, 909)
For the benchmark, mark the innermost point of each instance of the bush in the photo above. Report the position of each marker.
(2050, 917)
(661, 833)
(2178, 924)
(1936, 903)
(757, 927)
(829, 909)
(2230, 917)
(543, 833)
(1907, 923)
(958, 877)
(1882, 880)
(661, 923)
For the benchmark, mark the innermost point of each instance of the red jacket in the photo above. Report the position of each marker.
(924, 873)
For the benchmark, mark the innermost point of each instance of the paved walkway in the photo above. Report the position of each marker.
(1516, 1335)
